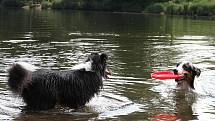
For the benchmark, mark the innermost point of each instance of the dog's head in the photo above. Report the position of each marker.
(98, 64)
(189, 71)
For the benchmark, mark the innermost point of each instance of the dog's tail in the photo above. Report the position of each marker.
(18, 75)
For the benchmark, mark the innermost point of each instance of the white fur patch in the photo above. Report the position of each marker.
(27, 66)
(87, 66)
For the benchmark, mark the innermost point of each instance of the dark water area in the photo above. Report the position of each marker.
(136, 44)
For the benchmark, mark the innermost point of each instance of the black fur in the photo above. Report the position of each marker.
(43, 89)
(17, 76)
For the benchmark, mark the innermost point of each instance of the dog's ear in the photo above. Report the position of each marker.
(196, 71)
(103, 57)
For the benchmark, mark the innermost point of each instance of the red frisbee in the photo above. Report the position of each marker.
(163, 75)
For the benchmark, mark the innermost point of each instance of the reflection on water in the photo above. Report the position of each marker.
(137, 45)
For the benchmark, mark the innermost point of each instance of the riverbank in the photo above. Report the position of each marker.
(99, 5)
(184, 7)
(172, 7)
(102, 5)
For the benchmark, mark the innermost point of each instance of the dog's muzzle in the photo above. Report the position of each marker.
(180, 72)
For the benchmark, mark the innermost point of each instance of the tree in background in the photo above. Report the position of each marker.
(12, 3)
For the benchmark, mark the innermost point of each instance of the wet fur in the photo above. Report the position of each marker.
(189, 77)
(43, 89)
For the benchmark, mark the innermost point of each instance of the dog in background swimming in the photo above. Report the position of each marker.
(189, 71)
(42, 89)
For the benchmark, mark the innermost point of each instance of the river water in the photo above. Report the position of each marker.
(136, 44)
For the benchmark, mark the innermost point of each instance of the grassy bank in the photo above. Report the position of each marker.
(184, 7)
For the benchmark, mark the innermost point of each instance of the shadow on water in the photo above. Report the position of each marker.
(137, 45)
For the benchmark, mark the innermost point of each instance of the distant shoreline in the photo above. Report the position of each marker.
(172, 7)
(194, 8)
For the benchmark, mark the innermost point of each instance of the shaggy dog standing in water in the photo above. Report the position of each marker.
(42, 89)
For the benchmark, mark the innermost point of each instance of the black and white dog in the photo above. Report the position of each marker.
(42, 89)
(189, 71)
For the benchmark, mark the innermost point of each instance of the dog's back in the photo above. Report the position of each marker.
(68, 88)
(42, 89)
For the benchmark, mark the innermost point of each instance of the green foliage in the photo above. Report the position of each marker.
(12, 3)
(110, 5)
(174, 8)
(46, 4)
(63, 4)
(155, 8)
(179, 7)
(185, 7)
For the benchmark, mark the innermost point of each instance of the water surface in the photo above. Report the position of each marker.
(136, 44)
